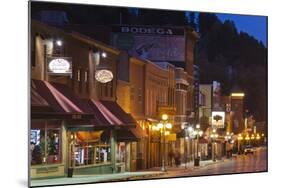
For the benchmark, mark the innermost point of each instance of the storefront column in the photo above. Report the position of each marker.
(112, 149)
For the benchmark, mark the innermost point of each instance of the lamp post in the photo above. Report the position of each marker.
(247, 138)
(239, 140)
(214, 136)
(227, 138)
(253, 140)
(198, 133)
(162, 126)
(258, 139)
(188, 130)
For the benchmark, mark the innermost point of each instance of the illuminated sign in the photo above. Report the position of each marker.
(59, 65)
(218, 119)
(237, 94)
(103, 76)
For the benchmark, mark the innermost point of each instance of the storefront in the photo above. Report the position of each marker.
(46, 148)
(90, 137)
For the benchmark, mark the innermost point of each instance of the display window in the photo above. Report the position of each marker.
(45, 143)
(88, 149)
(121, 152)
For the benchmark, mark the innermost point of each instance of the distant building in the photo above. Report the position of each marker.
(205, 108)
(196, 91)
(181, 97)
(237, 116)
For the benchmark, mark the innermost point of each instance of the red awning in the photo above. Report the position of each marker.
(113, 114)
(64, 102)
(36, 98)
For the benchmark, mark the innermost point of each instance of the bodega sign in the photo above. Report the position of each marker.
(146, 30)
(59, 65)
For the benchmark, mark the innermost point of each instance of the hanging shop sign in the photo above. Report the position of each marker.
(59, 65)
(218, 118)
(103, 76)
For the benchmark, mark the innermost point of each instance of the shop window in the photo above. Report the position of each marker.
(45, 145)
(121, 152)
(89, 153)
(87, 149)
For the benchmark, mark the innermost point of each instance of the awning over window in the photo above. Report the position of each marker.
(36, 98)
(80, 112)
(60, 97)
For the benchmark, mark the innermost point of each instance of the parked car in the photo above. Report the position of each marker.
(249, 149)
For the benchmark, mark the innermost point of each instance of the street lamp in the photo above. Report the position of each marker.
(162, 126)
(214, 136)
(198, 133)
(58, 42)
(227, 138)
(188, 131)
(240, 138)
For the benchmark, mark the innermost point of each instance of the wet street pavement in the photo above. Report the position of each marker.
(256, 162)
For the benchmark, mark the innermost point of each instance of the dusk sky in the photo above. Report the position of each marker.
(253, 25)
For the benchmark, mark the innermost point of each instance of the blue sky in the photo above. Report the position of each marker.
(253, 25)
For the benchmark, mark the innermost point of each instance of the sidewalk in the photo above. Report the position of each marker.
(148, 173)
(188, 166)
(95, 178)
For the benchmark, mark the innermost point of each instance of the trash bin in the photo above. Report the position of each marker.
(197, 161)
(69, 172)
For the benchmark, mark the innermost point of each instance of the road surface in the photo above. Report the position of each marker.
(256, 162)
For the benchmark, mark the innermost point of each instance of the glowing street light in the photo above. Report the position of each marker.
(252, 137)
(103, 54)
(168, 125)
(164, 117)
(59, 42)
(162, 128)
(160, 125)
(190, 129)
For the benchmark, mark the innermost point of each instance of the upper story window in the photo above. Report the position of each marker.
(86, 76)
(181, 86)
(139, 94)
(79, 75)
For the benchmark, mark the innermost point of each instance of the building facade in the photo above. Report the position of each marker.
(74, 113)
